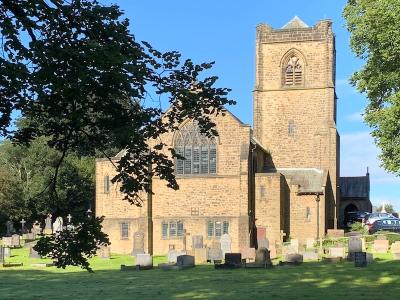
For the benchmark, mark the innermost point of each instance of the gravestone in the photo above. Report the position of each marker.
(295, 244)
(355, 244)
(138, 243)
(294, 258)
(197, 241)
(395, 249)
(10, 228)
(48, 229)
(104, 252)
(261, 233)
(173, 254)
(310, 255)
(233, 258)
(15, 240)
(215, 252)
(381, 246)
(272, 251)
(360, 259)
(7, 241)
(263, 256)
(144, 260)
(7, 252)
(288, 249)
(225, 241)
(248, 253)
(30, 236)
(185, 260)
(32, 252)
(23, 222)
(58, 225)
(2, 255)
(200, 255)
(336, 252)
(36, 228)
(263, 243)
(310, 243)
(335, 233)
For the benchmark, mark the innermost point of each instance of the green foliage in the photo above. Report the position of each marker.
(26, 174)
(388, 208)
(73, 246)
(359, 227)
(374, 26)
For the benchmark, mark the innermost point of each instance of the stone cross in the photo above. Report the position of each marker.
(69, 217)
(23, 225)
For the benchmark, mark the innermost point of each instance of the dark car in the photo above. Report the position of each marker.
(389, 224)
(354, 216)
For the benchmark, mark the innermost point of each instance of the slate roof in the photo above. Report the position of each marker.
(296, 22)
(354, 187)
(309, 180)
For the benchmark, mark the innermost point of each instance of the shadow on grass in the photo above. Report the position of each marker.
(310, 280)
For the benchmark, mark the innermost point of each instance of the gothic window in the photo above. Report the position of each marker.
(124, 231)
(293, 72)
(106, 184)
(171, 229)
(199, 151)
(291, 127)
(217, 228)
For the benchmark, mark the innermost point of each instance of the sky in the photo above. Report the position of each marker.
(224, 31)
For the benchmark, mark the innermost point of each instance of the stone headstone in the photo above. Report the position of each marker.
(7, 252)
(15, 240)
(355, 244)
(7, 241)
(104, 252)
(197, 241)
(295, 244)
(215, 254)
(360, 259)
(395, 249)
(381, 246)
(294, 258)
(261, 233)
(32, 252)
(36, 228)
(30, 236)
(138, 243)
(289, 249)
(2, 256)
(58, 225)
(185, 260)
(336, 252)
(248, 253)
(200, 255)
(263, 243)
(173, 254)
(233, 258)
(225, 241)
(144, 260)
(335, 233)
(310, 243)
(370, 258)
(272, 251)
(48, 229)
(10, 228)
(262, 256)
(310, 255)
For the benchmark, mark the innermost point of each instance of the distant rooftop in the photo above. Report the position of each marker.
(296, 22)
(354, 187)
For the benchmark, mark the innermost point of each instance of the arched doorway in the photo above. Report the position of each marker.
(347, 213)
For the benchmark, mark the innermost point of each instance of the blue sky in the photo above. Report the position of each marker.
(224, 31)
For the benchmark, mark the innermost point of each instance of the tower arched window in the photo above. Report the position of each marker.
(293, 72)
(199, 151)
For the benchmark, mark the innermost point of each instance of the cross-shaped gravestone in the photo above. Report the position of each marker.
(69, 217)
(23, 225)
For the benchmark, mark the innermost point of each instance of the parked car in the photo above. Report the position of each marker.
(389, 224)
(354, 216)
(373, 217)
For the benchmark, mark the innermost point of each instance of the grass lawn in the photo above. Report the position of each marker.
(380, 280)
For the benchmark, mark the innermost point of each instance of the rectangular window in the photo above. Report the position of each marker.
(210, 229)
(179, 228)
(172, 229)
(164, 229)
(179, 162)
(196, 160)
(204, 160)
(188, 160)
(217, 228)
(213, 159)
(124, 231)
(106, 184)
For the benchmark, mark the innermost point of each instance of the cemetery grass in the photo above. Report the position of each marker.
(308, 281)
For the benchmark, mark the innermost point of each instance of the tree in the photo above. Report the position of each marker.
(78, 77)
(388, 208)
(374, 26)
(26, 172)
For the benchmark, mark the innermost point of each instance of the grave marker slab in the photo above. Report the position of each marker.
(273, 252)
(295, 244)
(310, 243)
(104, 252)
(7, 241)
(355, 244)
(225, 241)
(381, 246)
(144, 260)
(294, 258)
(185, 260)
(197, 241)
(173, 255)
(336, 252)
(310, 255)
(248, 253)
(32, 252)
(263, 243)
(15, 240)
(138, 243)
(200, 255)
(289, 249)
(395, 249)
(360, 259)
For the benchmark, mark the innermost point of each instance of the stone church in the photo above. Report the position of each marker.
(279, 178)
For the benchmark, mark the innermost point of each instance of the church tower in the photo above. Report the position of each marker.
(294, 97)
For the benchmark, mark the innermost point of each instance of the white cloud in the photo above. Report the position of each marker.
(355, 117)
(358, 152)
